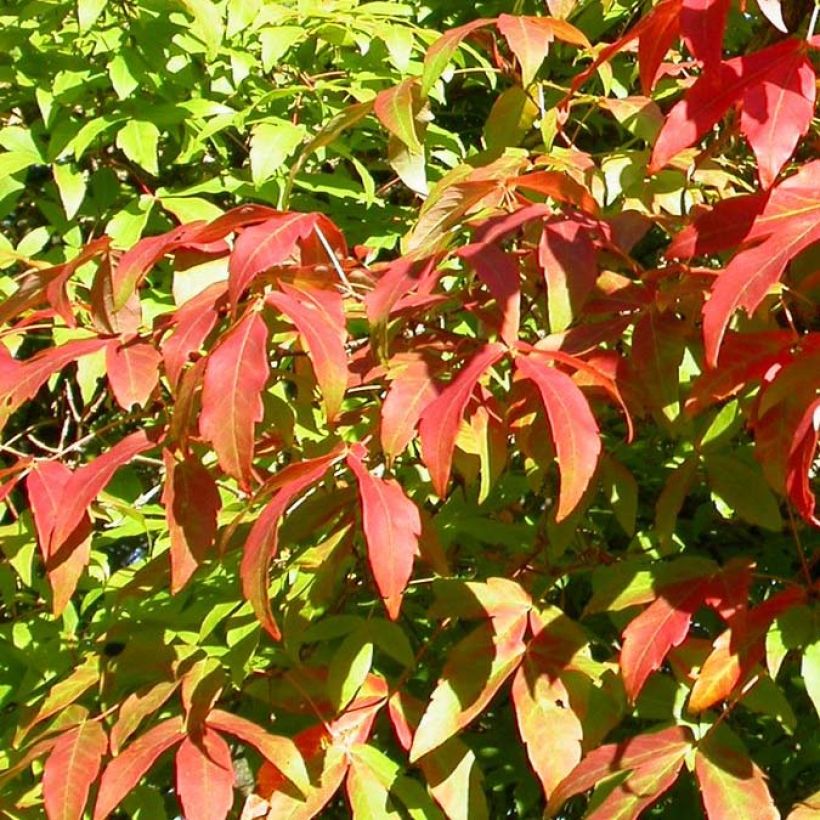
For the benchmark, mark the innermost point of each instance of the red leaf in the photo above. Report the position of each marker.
(773, 82)
(137, 261)
(801, 462)
(397, 280)
(88, 481)
(653, 761)
(136, 707)
(441, 52)
(71, 768)
(20, 381)
(788, 224)
(50, 285)
(731, 785)
(573, 427)
(410, 392)
(320, 319)
(263, 246)
(724, 226)
(204, 777)
(133, 372)
(235, 375)
(281, 751)
(46, 485)
(440, 419)
(744, 358)
(660, 32)
(261, 544)
(662, 625)
(476, 669)
(392, 527)
(702, 24)
(569, 261)
(126, 770)
(778, 111)
(191, 501)
(499, 272)
(194, 321)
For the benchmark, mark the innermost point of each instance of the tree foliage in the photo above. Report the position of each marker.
(409, 410)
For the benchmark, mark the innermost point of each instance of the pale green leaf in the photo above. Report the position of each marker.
(71, 184)
(138, 140)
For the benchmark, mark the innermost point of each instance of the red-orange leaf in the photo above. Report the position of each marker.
(731, 785)
(574, 429)
(392, 526)
(281, 751)
(653, 761)
(262, 246)
(204, 776)
(193, 322)
(133, 372)
(191, 501)
(499, 272)
(235, 375)
(71, 768)
(440, 419)
(529, 38)
(738, 649)
(662, 625)
(20, 381)
(88, 481)
(126, 770)
(261, 544)
(320, 319)
(410, 392)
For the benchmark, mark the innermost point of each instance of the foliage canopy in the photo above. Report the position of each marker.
(409, 409)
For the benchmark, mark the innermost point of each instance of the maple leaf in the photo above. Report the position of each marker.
(529, 38)
(235, 374)
(476, 669)
(738, 649)
(263, 246)
(412, 388)
(126, 770)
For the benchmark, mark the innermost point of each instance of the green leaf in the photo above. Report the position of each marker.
(88, 11)
(349, 668)
(123, 81)
(71, 184)
(138, 140)
(810, 669)
(271, 144)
